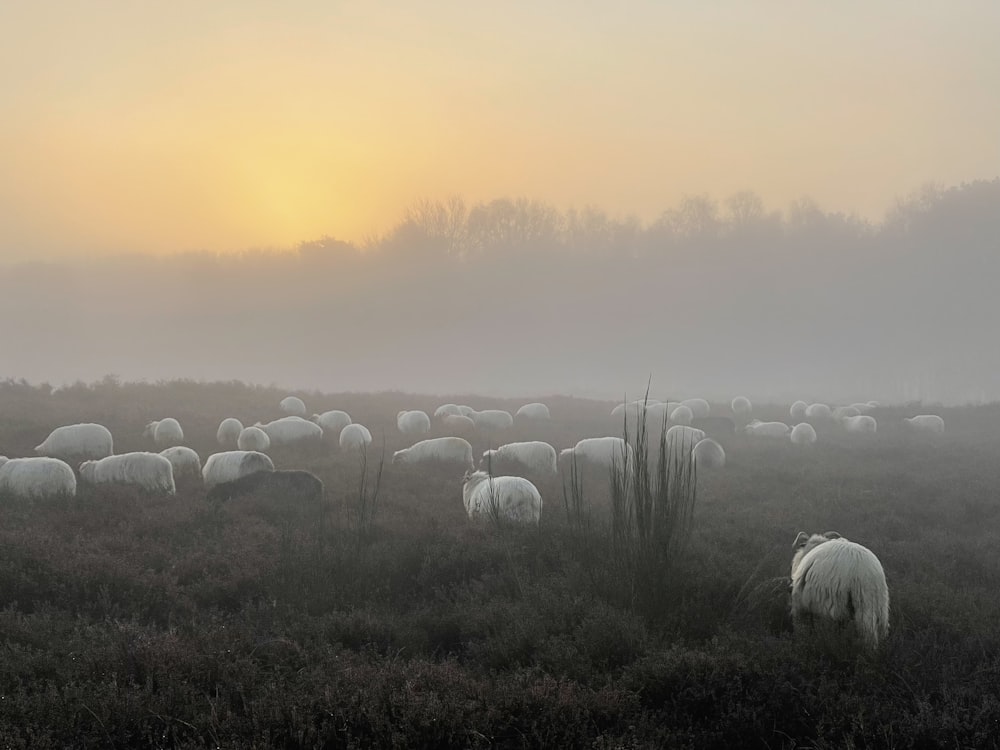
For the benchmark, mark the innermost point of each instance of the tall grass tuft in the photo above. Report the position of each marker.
(363, 507)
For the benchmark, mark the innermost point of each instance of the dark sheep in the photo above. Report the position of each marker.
(288, 484)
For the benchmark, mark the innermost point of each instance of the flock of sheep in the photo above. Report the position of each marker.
(831, 577)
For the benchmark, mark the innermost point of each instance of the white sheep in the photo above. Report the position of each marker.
(458, 423)
(333, 421)
(355, 437)
(466, 411)
(635, 407)
(534, 410)
(185, 461)
(803, 434)
(77, 441)
(492, 419)
(843, 412)
(656, 416)
(447, 410)
(532, 456)
(443, 449)
(288, 430)
(699, 407)
(149, 471)
(682, 415)
(413, 422)
(708, 454)
(513, 499)
(929, 423)
(818, 411)
(798, 410)
(164, 432)
(230, 465)
(36, 478)
(253, 439)
(229, 431)
(602, 452)
(767, 429)
(862, 423)
(842, 581)
(293, 406)
(741, 407)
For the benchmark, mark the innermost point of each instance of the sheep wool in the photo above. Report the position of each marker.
(36, 477)
(148, 471)
(512, 499)
(77, 441)
(442, 449)
(534, 457)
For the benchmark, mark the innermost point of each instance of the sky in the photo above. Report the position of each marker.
(164, 127)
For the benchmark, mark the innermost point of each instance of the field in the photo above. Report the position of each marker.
(131, 621)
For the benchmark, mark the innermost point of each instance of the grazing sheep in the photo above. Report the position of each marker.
(229, 431)
(291, 485)
(656, 416)
(149, 471)
(458, 423)
(164, 432)
(682, 415)
(533, 411)
(288, 430)
(602, 452)
(680, 442)
(492, 419)
(840, 580)
(36, 478)
(766, 429)
(448, 410)
(534, 457)
(843, 412)
(818, 411)
(803, 434)
(443, 449)
(708, 454)
(333, 421)
(861, 423)
(929, 423)
(635, 407)
(77, 441)
(229, 465)
(355, 437)
(413, 422)
(741, 407)
(798, 410)
(513, 499)
(699, 407)
(466, 411)
(293, 406)
(185, 461)
(253, 439)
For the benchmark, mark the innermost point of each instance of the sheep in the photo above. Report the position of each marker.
(533, 411)
(766, 429)
(798, 410)
(874, 404)
(656, 416)
(458, 423)
(288, 430)
(229, 465)
(680, 442)
(635, 407)
(534, 457)
(803, 434)
(492, 419)
(861, 423)
(929, 423)
(355, 437)
(253, 439)
(443, 449)
(149, 471)
(164, 432)
(682, 415)
(229, 431)
(466, 411)
(332, 422)
(843, 412)
(818, 411)
(184, 460)
(77, 441)
(741, 407)
(36, 477)
(292, 485)
(603, 452)
(840, 580)
(448, 410)
(293, 406)
(699, 407)
(513, 499)
(708, 454)
(413, 422)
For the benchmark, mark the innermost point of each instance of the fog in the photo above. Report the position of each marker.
(514, 298)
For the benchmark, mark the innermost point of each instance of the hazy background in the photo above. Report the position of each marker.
(144, 149)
